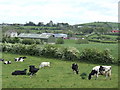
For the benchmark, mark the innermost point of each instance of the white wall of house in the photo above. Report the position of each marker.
(13, 34)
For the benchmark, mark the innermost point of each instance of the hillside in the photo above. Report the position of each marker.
(113, 25)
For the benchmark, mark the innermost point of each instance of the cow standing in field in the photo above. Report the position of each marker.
(100, 70)
(75, 68)
(44, 64)
(33, 70)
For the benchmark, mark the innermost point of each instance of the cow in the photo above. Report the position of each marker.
(2, 60)
(75, 68)
(33, 70)
(20, 59)
(44, 64)
(7, 62)
(100, 70)
(19, 72)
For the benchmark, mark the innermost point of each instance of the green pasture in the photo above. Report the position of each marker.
(59, 75)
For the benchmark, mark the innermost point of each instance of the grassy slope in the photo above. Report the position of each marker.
(59, 75)
(106, 24)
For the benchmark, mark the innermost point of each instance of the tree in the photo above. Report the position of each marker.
(40, 24)
(30, 24)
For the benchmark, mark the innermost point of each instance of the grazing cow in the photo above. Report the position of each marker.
(7, 62)
(33, 70)
(44, 64)
(75, 68)
(20, 59)
(18, 72)
(100, 70)
(2, 60)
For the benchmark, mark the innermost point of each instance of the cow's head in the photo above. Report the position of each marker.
(93, 72)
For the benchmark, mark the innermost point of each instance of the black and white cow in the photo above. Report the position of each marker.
(19, 72)
(2, 60)
(75, 68)
(100, 70)
(33, 70)
(20, 59)
(7, 62)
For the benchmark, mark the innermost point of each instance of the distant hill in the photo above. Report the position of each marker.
(112, 25)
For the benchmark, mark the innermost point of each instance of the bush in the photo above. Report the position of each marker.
(82, 41)
(71, 53)
(95, 56)
(10, 40)
(60, 52)
(38, 41)
(60, 41)
(28, 41)
(49, 50)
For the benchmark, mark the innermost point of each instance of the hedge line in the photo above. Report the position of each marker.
(67, 53)
(101, 41)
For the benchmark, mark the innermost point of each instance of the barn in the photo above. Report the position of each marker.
(46, 37)
(60, 35)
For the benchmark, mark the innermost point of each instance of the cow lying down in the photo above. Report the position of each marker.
(19, 72)
(100, 70)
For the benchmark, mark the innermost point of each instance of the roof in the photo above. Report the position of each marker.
(60, 35)
(25, 35)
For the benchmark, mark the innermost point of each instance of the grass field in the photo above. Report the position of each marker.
(59, 75)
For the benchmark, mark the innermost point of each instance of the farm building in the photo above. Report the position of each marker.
(61, 35)
(11, 33)
(115, 31)
(46, 37)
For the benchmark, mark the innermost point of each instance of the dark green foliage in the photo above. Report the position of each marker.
(28, 41)
(49, 50)
(102, 41)
(83, 75)
(60, 41)
(53, 51)
(10, 40)
(38, 41)
(71, 53)
(95, 56)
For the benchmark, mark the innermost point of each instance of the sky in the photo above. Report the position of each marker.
(59, 11)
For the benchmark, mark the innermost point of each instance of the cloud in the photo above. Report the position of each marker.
(70, 11)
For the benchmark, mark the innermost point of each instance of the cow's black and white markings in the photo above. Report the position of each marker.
(2, 60)
(7, 62)
(100, 70)
(75, 68)
(20, 59)
(33, 70)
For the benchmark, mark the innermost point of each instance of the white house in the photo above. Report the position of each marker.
(11, 33)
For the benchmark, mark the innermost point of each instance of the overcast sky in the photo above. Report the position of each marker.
(67, 11)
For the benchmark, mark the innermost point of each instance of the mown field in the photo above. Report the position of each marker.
(59, 75)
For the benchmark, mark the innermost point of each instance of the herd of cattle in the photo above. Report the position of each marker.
(96, 71)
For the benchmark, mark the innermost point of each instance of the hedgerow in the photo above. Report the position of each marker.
(67, 53)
